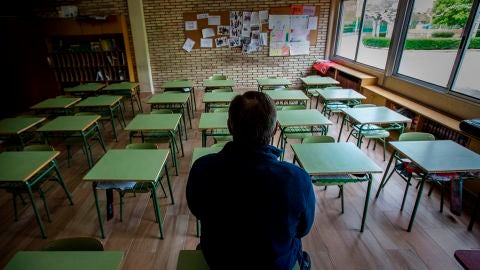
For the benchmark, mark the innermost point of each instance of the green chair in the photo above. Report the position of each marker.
(74, 244)
(221, 138)
(16, 189)
(369, 131)
(333, 107)
(318, 139)
(217, 77)
(294, 132)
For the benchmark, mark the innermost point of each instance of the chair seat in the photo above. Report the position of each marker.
(337, 179)
(376, 134)
(116, 185)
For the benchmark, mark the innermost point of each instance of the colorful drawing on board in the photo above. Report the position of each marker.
(279, 49)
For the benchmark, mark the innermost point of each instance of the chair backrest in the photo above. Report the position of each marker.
(218, 77)
(221, 90)
(74, 244)
(85, 113)
(293, 107)
(162, 111)
(416, 136)
(318, 139)
(364, 105)
(220, 110)
(141, 146)
(332, 87)
(38, 147)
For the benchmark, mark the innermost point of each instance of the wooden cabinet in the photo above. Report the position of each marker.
(89, 50)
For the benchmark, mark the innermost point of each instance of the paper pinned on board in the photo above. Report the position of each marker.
(208, 32)
(206, 43)
(188, 45)
(312, 23)
(309, 10)
(191, 25)
(221, 42)
(300, 48)
(279, 22)
(202, 16)
(255, 19)
(279, 49)
(213, 20)
(299, 22)
(263, 15)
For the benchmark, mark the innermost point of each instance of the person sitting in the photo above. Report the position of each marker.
(270, 203)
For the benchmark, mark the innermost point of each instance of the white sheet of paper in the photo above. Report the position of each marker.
(255, 19)
(279, 49)
(188, 45)
(312, 23)
(279, 22)
(263, 15)
(297, 35)
(213, 20)
(309, 10)
(263, 39)
(206, 43)
(202, 16)
(299, 22)
(190, 25)
(208, 32)
(300, 48)
(247, 19)
(221, 42)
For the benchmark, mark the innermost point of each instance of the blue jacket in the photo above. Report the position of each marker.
(253, 208)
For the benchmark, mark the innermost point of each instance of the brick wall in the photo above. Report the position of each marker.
(165, 31)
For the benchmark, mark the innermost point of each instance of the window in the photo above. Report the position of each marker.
(433, 38)
(376, 18)
(467, 81)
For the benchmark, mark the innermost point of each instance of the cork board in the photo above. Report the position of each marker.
(196, 35)
(312, 36)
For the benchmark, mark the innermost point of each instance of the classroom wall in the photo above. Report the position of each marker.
(165, 31)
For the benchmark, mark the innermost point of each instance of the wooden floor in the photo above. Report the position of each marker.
(333, 243)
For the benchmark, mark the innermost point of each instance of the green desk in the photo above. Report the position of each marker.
(30, 167)
(62, 260)
(86, 89)
(313, 83)
(137, 165)
(175, 101)
(16, 127)
(217, 98)
(63, 104)
(350, 96)
(333, 159)
(267, 83)
(104, 104)
(84, 126)
(286, 97)
(130, 90)
(374, 115)
(212, 84)
(213, 124)
(181, 85)
(311, 118)
(158, 123)
(441, 156)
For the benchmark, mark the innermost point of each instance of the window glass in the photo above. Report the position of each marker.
(378, 23)
(433, 38)
(468, 78)
(349, 28)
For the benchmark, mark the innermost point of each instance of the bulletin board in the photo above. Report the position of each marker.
(312, 36)
(196, 35)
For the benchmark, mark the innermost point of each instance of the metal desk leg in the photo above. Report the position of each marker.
(156, 208)
(35, 209)
(367, 197)
(383, 182)
(417, 202)
(112, 120)
(169, 185)
(341, 128)
(62, 183)
(99, 213)
(88, 151)
(204, 138)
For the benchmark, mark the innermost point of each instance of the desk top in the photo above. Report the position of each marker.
(169, 98)
(218, 83)
(334, 158)
(286, 95)
(375, 115)
(316, 80)
(121, 86)
(340, 94)
(213, 120)
(61, 260)
(199, 152)
(273, 81)
(21, 166)
(86, 87)
(99, 101)
(439, 156)
(19, 124)
(129, 165)
(310, 117)
(177, 84)
(211, 97)
(56, 103)
(70, 123)
(154, 122)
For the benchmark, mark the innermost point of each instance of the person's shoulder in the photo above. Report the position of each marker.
(293, 168)
(207, 160)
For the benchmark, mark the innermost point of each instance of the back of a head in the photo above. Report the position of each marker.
(252, 118)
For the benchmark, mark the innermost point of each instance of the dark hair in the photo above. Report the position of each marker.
(252, 118)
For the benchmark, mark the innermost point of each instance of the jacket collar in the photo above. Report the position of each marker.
(266, 151)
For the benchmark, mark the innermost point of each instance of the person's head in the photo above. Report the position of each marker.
(252, 118)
